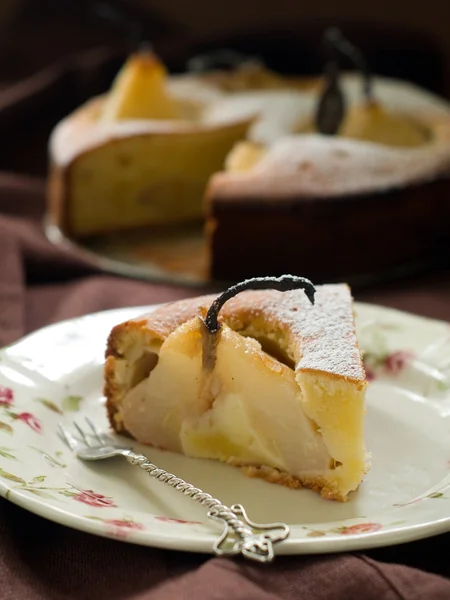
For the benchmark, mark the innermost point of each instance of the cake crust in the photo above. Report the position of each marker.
(318, 484)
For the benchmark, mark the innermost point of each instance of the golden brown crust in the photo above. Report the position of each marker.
(119, 341)
(57, 198)
(319, 338)
(112, 392)
(319, 485)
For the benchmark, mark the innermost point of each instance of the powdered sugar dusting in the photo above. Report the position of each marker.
(280, 112)
(320, 337)
(322, 165)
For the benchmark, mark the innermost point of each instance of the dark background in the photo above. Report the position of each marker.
(401, 38)
(400, 35)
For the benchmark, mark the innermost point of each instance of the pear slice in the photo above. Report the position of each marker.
(372, 123)
(237, 419)
(244, 156)
(139, 91)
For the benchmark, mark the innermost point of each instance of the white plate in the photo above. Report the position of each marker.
(56, 374)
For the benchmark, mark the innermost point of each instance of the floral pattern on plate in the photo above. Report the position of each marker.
(390, 364)
(55, 374)
(34, 486)
(7, 406)
(425, 368)
(120, 528)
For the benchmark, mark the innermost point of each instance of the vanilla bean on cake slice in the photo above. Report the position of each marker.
(274, 386)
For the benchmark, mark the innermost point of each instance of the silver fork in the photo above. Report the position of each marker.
(250, 539)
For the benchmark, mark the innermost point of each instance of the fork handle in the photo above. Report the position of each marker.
(240, 535)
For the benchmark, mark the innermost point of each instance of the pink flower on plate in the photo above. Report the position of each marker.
(182, 521)
(361, 528)
(370, 373)
(395, 362)
(121, 528)
(30, 420)
(92, 499)
(123, 523)
(6, 396)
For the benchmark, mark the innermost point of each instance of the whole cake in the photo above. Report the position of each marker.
(275, 386)
(247, 155)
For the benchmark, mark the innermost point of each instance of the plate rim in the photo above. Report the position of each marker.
(202, 543)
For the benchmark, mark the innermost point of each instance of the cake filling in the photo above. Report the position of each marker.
(256, 416)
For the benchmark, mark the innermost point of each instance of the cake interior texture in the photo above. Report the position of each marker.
(158, 179)
(284, 399)
(139, 155)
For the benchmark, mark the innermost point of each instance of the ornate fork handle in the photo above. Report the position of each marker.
(250, 539)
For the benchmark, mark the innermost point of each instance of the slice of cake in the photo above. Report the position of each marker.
(278, 389)
(140, 155)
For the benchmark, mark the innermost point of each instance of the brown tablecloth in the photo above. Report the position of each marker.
(40, 284)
